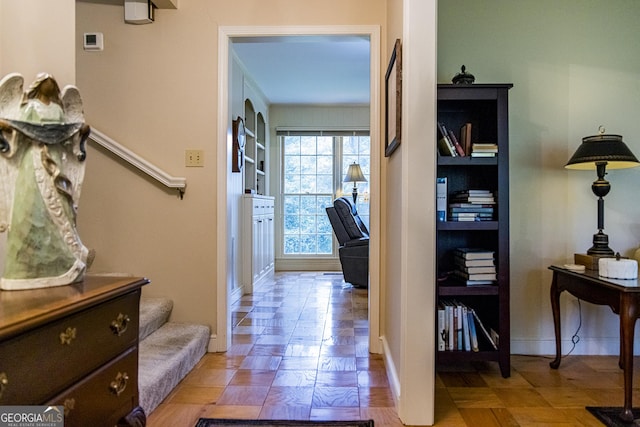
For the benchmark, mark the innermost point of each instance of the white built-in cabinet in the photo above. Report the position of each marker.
(258, 231)
(258, 244)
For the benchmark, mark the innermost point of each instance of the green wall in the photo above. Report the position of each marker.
(575, 65)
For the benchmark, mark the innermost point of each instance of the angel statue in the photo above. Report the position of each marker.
(42, 162)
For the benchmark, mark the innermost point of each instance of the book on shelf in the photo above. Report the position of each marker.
(474, 206)
(441, 198)
(443, 333)
(474, 253)
(473, 277)
(484, 331)
(475, 192)
(456, 143)
(470, 216)
(465, 138)
(445, 146)
(468, 263)
(465, 329)
(473, 334)
(474, 197)
(479, 269)
(485, 146)
(482, 154)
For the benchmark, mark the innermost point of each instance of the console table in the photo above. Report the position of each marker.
(74, 346)
(623, 296)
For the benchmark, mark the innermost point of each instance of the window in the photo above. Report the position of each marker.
(313, 169)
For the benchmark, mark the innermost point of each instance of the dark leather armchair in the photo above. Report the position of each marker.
(353, 238)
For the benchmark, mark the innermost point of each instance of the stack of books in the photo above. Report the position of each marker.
(459, 328)
(471, 205)
(474, 266)
(484, 150)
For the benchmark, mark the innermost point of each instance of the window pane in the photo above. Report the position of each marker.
(307, 224)
(325, 165)
(292, 183)
(308, 145)
(324, 184)
(308, 205)
(325, 243)
(291, 145)
(325, 145)
(291, 245)
(308, 165)
(291, 165)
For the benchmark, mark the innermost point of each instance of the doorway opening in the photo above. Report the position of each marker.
(227, 259)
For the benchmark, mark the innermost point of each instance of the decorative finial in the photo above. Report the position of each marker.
(463, 77)
(601, 130)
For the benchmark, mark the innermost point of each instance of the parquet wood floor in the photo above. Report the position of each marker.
(299, 351)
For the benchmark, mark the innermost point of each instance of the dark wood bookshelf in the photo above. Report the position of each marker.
(485, 106)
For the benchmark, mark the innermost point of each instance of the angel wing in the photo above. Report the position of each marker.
(11, 91)
(74, 113)
(72, 105)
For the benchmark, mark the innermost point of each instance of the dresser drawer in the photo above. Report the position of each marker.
(105, 396)
(47, 360)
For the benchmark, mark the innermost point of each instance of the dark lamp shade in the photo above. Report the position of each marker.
(354, 174)
(602, 148)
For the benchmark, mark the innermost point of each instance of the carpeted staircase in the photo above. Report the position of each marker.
(168, 351)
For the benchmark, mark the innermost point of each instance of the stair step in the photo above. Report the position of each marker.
(154, 312)
(166, 356)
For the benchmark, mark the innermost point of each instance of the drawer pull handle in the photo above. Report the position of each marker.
(118, 385)
(69, 405)
(119, 326)
(67, 336)
(4, 382)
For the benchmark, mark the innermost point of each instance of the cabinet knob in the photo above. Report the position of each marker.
(119, 326)
(69, 405)
(118, 385)
(4, 382)
(68, 336)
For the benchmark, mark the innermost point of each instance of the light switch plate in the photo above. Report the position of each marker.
(194, 158)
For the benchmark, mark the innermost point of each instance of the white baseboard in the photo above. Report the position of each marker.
(585, 346)
(392, 372)
(308, 264)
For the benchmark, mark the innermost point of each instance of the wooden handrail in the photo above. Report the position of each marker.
(132, 158)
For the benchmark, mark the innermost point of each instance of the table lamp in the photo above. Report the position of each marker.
(355, 175)
(599, 152)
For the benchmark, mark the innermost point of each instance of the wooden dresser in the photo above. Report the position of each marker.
(75, 346)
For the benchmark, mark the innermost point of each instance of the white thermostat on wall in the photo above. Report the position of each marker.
(93, 41)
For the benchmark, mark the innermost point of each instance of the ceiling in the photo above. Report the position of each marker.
(308, 69)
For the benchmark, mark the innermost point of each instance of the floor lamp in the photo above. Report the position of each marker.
(599, 152)
(355, 175)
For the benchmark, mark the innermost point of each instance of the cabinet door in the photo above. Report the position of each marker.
(257, 247)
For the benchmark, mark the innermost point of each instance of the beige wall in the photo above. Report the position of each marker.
(36, 37)
(154, 90)
(574, 66)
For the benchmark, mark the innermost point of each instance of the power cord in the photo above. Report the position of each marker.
(575, 339)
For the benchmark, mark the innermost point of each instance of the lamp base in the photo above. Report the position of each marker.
(600, 245)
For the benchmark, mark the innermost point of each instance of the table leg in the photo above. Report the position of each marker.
(628, 315)
(555, 308)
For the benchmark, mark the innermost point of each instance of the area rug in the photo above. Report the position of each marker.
(215, 422)
(610, 415)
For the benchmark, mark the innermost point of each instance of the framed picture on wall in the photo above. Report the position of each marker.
(393, 100)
